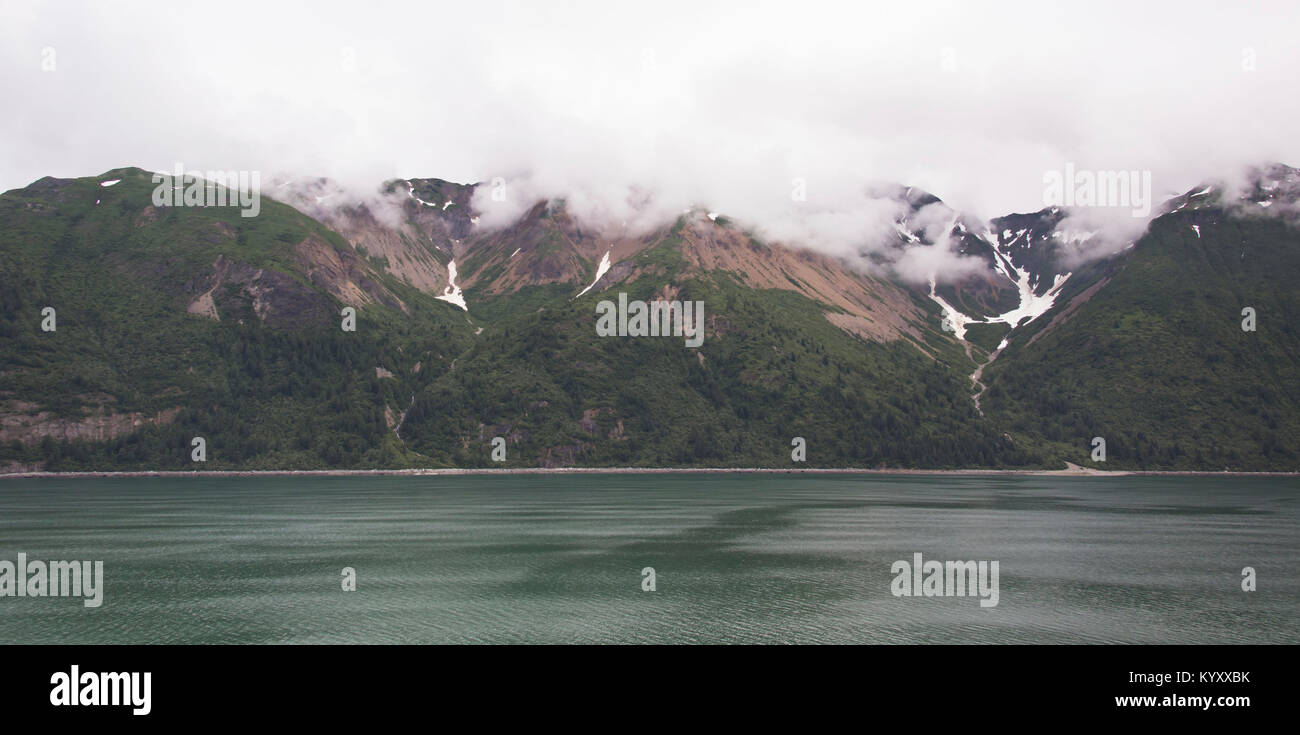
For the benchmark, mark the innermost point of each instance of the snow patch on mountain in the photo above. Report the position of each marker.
(1073, 236)
(906, 233)
(452, 294)
(601, 270)
(1031, 305)
(953, 319)
(410, 192)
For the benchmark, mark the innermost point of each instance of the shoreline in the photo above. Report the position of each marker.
(1072, 471)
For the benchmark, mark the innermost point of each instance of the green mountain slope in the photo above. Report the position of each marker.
(1156, 362)
(177, 322)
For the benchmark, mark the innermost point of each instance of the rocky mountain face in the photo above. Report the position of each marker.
(183, 322)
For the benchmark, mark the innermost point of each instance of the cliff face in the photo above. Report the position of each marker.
(27, 428)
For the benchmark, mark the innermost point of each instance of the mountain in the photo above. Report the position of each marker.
(1153, 356)
(796, 344)
(183, 322)
(180, 322)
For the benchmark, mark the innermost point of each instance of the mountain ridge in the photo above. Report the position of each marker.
(869, 370)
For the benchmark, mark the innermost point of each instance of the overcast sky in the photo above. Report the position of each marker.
(686, 102)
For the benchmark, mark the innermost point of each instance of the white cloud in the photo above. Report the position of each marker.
(920, 263)
(652, 108)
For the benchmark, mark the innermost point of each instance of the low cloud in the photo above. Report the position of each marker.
(919, 263)
(632, 115)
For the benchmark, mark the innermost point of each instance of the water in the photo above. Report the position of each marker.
(738, 558)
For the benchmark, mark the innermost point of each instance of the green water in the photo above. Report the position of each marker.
(737, 558)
